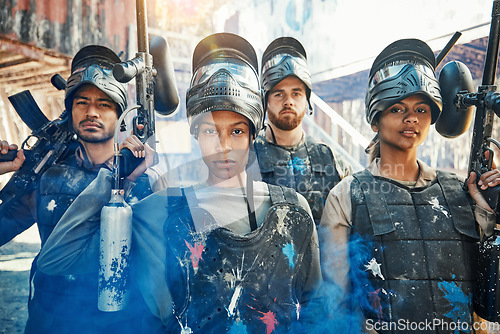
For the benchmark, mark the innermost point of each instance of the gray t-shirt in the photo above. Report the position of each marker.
(229, 206)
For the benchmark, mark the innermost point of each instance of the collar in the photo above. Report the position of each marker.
(425, 175)
(273, 141)
(82, 160)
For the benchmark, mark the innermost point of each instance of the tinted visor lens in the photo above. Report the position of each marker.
(282, 57)
(393, 70)
(240, 71)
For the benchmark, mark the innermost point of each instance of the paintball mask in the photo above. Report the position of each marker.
(93, 65)
(224, 78)
(284, 57)
(404, 68)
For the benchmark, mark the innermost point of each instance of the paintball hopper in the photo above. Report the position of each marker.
(454, 78)
(166, 95)
(166, 98)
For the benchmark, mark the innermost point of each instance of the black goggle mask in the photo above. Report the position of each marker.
(238, 69)
(395, 69)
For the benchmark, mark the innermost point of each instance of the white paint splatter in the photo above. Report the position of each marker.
(235, 280)
(228, 277)
(438, 207)
(374, 267)
(234, 300)
(281, 213)
(298, 307)
(52, 205)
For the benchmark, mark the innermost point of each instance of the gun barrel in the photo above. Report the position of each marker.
(490, 64)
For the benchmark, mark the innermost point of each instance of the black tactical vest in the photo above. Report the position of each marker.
(222, 282)
(309, 169)
(59, 186)
(413, 252)
(74, 296)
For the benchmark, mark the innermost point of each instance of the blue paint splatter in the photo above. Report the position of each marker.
(459, 301)
(238, 328)
(289, 253)
(298, 165)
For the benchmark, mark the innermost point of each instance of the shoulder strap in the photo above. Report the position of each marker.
(458, 204)
(282, 195)
(263, 152)
(318, 159)
(176, 198)
(376, 203)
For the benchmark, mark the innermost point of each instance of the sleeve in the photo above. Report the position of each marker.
(310, 283)
(18, 217)
(73, 245)
(149, 254)
(485, 219)
(333, 233)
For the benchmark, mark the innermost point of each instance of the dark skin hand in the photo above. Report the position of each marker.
(139, 150)
(489, 179)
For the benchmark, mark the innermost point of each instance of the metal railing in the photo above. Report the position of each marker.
(357, 138)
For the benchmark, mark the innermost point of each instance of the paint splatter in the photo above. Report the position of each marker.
(186, 330)
(280, 226)
(52, 205)
(374, 267)
(269, 319)
(298, 308)
(298, 165)
(438, 207)
(459, 301)
(234, 300)
(238, 328)
(289, 253)
(374, 299)
(196, 252)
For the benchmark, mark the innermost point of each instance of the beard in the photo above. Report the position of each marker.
(94, 137)
(286, 122)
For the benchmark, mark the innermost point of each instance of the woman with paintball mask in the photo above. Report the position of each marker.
(241, 255)
(401, 238)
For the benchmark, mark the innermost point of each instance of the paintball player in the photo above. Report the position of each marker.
(401, 238)
(94, 100)
(228, 254)
(287, 156)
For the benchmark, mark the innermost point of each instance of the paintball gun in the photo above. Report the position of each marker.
(46, 146)
(153, 71)
(458, 101)
(156, 89)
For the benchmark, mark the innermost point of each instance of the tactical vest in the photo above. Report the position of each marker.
(309, 169)
(72, 297)
(59, 186)
(413, 252)
(222, 282)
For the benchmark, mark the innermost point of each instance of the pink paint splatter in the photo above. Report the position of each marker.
(270, 320)
(196, 252)
(375, 302)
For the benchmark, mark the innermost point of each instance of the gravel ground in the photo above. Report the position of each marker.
(15, 263)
